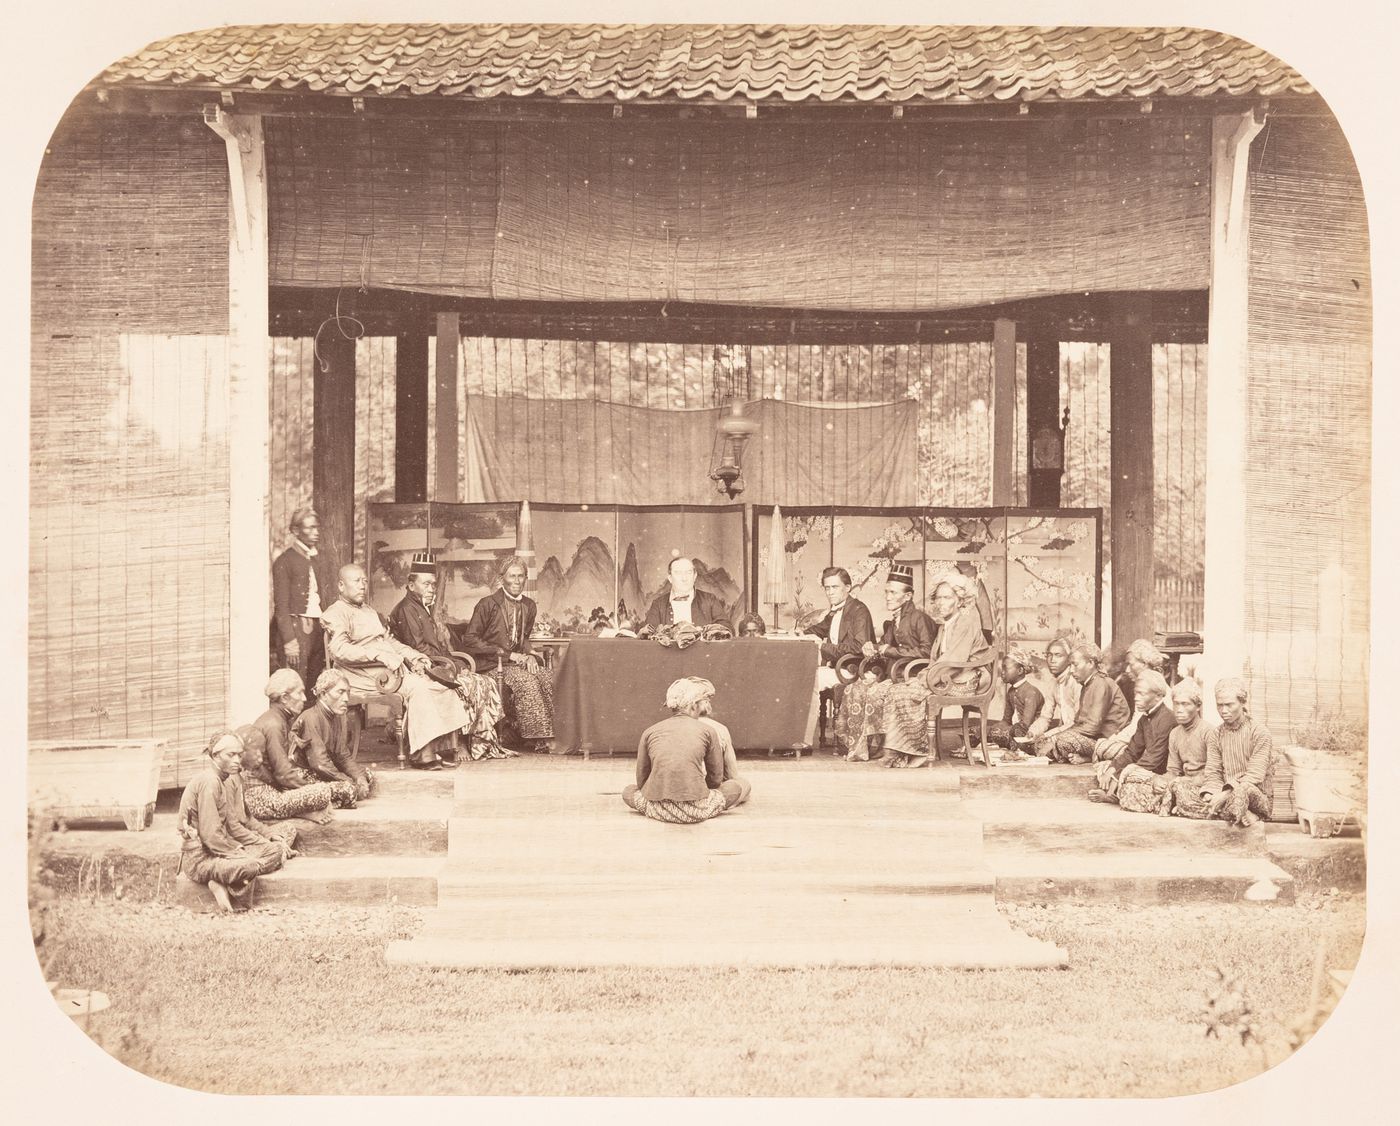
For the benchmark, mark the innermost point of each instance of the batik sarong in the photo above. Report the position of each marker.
(267, 803)
(531, 702)
(862, 714)
(677, 812)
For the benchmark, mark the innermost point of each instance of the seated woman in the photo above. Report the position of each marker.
(1186, 753)
(960, 641)
(1237, 783)
(220, 844)
(265, 801)
(499, 635)
(319, 735)
(908, 633)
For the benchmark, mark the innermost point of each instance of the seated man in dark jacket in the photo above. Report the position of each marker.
(846, 627)
(681, 763)
(319, 736)
(1136, 777)
(413, 624)
(683, 603)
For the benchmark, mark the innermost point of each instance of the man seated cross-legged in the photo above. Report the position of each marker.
(685, 765)
(1101, 711)
(320, 740)
(220, 844)
(360, 644)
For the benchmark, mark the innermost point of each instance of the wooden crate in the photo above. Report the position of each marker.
(96, 779)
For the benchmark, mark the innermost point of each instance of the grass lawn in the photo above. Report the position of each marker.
(310, 1007)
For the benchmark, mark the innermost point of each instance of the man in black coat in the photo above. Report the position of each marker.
(302, 586)
(846, 627)
(683, 603)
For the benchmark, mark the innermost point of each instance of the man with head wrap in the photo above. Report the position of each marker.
(681, 762)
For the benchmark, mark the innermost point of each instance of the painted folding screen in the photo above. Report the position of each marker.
(903, 216)
(587, 452)
(1038, 571)
(1307, 561)
(612, 558)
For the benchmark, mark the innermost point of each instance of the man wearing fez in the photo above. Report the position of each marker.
(846, 628)
(412, 622)
(683, 603)
(300, 588)
(362, 648)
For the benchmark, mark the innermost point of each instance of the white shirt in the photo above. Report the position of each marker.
(680, 608)
(834, 634)
(313, 595)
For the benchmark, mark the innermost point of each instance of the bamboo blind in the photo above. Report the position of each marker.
(130, 230)
(129, 549)
(812, 216)
(1307, 604)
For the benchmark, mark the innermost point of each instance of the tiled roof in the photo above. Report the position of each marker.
(694, 61)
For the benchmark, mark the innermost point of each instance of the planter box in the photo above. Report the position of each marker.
(107, 780)
(1327, 789)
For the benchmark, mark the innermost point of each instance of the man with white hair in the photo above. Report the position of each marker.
(681, 762)
(1136, 777)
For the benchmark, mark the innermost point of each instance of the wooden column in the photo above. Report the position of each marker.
(1042, 413)
(1227, 401)
(1131, 463)
(448, 426)
(411, 418)
(333, 448)
(249, 577)
(1003, 412)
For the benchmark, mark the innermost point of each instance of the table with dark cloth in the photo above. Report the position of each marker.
(608, 691)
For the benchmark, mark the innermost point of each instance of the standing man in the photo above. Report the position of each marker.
(846, 629)
(683, 603)
(301, 589)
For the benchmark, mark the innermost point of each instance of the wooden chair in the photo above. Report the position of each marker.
(936, 678)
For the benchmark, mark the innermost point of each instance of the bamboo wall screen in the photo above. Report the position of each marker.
(1307, 609)
(900, 216)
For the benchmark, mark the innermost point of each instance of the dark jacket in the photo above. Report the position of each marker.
(322, 740)
(679, 759)
(412, 623)
(913, 636)
(291, 578)
(856, 629)
(282, 771)
(705, 610)
(1023, 704)
(488, 634)
(1102, 709)
(1149, 742)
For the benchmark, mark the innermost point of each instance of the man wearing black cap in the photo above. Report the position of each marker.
(412, 623)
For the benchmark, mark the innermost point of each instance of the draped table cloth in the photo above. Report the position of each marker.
(609, 691)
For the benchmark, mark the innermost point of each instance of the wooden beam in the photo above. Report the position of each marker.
(448, 423)
(1003, 412)
(411, 418)
(1131, 471)
(1042, 415)
(333, 446)
(1227, 401)
(249, 562)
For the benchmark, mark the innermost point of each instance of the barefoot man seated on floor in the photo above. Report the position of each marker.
(359, 642)
(685, 764)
